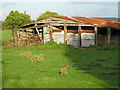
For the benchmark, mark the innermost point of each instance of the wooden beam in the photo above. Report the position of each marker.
(65, 33)
(37, 31)
(96, 29)
(79, 35)
(109, 34)
(72, 24)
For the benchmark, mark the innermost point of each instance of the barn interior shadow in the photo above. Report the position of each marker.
(93, 62)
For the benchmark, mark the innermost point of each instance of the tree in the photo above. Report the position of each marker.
(47, 14)
(33, 20)
(15, 19)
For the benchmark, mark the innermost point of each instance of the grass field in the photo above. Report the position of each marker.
(87, 67)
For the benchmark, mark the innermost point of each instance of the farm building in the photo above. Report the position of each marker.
(74, 31)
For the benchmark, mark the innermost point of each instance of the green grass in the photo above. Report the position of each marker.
(19, 72)
(6, 34)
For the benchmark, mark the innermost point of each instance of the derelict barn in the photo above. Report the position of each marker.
(74, 31)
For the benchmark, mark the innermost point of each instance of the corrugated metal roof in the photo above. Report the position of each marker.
(93, 21)
(87, 20)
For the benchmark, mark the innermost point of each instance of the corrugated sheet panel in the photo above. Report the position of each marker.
(58, 37)
(46, 32)
(87, 39)
(73, 39)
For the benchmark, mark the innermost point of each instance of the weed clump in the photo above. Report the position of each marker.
(33, 57)
(26, 54)
(37, 58)
(64, 70)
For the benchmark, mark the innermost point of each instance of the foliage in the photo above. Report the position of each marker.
(47, 14)
(15, 19)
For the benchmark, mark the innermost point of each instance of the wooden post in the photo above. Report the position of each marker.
(79, 35)
(109, 34)
(65, 33)
(95, 29)
(51, 38)
(43, 36)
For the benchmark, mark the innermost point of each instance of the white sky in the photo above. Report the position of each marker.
(59, 0)
(35, 8)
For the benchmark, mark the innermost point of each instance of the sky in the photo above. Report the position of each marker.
(60, 0)
(35, 8)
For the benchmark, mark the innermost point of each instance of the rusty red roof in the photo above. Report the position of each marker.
(93, 21)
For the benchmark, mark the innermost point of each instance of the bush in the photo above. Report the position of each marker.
(112, 46)
(61, 45)
(51, 43)
(92, 46)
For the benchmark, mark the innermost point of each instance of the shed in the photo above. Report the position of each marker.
(73, 31)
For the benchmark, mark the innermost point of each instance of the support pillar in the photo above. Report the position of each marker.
(51, 38)
(79, 35)
(109, 35)
(96, 29)
(65, 33)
